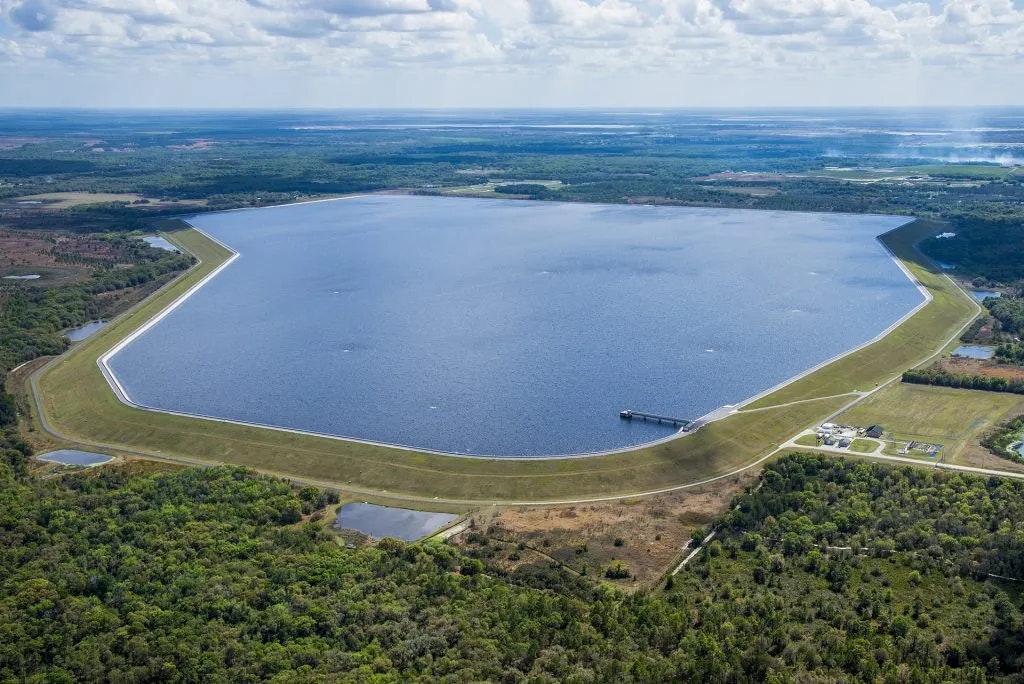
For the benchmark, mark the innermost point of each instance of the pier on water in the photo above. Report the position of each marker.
(640, 415)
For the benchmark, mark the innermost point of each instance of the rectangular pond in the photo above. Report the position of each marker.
(510, 328)
(385, 521)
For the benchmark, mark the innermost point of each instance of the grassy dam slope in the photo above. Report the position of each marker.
(79, 408)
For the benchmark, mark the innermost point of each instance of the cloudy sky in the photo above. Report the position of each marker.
(528, 53)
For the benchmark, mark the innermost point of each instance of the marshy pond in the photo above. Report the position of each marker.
(511, 328)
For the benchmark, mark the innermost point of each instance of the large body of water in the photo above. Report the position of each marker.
(511, 328)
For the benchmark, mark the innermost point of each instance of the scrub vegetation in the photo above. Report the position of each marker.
(832, 570)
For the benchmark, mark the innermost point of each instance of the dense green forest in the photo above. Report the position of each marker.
(989, 246)
(1012, 353)
(209, 575)
(1009, 311)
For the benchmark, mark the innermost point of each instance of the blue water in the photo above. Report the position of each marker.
(511, 328)
(384, 521)
(159, 243)
(84, 331)
(982, 295)
(75, 457)
(974, 351)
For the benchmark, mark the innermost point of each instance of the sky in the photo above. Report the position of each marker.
(510, 53)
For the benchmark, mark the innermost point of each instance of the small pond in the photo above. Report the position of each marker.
(946, 267)
(32, 276)
(982, 295)
(75, 457)
(83, 331)
(159, 243)
(385, 521)
(974, 351)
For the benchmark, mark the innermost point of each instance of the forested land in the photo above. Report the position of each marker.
(1009, 311)
(990, 246)
(132, 574)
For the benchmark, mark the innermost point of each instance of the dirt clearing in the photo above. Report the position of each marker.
(642, 537)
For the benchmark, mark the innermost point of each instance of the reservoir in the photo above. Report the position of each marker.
(511, 328)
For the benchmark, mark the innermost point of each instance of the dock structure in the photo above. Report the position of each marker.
(680, 422)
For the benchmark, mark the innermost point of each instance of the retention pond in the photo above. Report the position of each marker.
(385, 521)
(511, 328)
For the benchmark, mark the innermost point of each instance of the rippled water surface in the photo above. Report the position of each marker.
(507, 327)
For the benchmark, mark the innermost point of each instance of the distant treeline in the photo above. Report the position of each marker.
(937, 376)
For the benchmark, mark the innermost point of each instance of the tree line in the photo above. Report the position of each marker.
(936, 376)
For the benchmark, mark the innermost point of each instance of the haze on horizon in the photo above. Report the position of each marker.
(510, 53)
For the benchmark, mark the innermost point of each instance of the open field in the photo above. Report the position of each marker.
(487, 189)
(924, 172)
(67, 200)
(78, 405)
(954, 418)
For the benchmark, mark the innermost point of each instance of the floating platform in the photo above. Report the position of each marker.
(680, 422)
